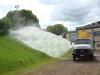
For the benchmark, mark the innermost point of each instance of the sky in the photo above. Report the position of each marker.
(70, 13)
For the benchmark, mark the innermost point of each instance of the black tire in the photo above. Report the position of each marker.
(74, 58)
(92, 57)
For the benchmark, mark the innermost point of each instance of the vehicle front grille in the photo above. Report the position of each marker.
(82, 51)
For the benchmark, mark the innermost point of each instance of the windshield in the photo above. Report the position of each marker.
(83, 41)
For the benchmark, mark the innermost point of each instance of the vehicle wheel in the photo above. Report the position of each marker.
(92, 57)
(74, 58)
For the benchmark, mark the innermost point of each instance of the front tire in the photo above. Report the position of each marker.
(92, 57)
(74, 58)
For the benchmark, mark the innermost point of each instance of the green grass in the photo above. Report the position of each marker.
(15, 56)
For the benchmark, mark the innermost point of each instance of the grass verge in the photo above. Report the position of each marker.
(15, 56)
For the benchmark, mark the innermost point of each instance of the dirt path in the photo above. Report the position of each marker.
(69, 67)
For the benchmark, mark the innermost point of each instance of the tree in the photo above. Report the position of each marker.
(4, 25)
(23, 17)
(57, 29)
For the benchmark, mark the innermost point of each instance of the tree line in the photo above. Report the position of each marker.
(57, 29)
(19, 18)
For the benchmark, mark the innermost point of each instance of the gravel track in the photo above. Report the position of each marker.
(69, 67)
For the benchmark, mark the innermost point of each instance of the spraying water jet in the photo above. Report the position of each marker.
(46, 42)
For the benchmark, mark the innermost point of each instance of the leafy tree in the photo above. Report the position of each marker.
(4, 25)
(23, 17)
(17, 18)
(57, 29)
(28, 16)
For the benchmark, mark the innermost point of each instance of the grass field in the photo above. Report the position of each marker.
(14, 55)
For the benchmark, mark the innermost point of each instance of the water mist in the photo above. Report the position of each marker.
(46, 42)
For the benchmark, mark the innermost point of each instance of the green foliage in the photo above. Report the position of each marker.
(16, 56)
(4, 25)
(16, 19)
(57, 29)
(22, 18)
(28, 15)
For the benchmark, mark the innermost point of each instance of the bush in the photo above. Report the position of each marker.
(4, 25)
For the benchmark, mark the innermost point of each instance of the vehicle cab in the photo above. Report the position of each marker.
(83, 48)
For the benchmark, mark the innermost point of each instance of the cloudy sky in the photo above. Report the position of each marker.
(71, 13)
